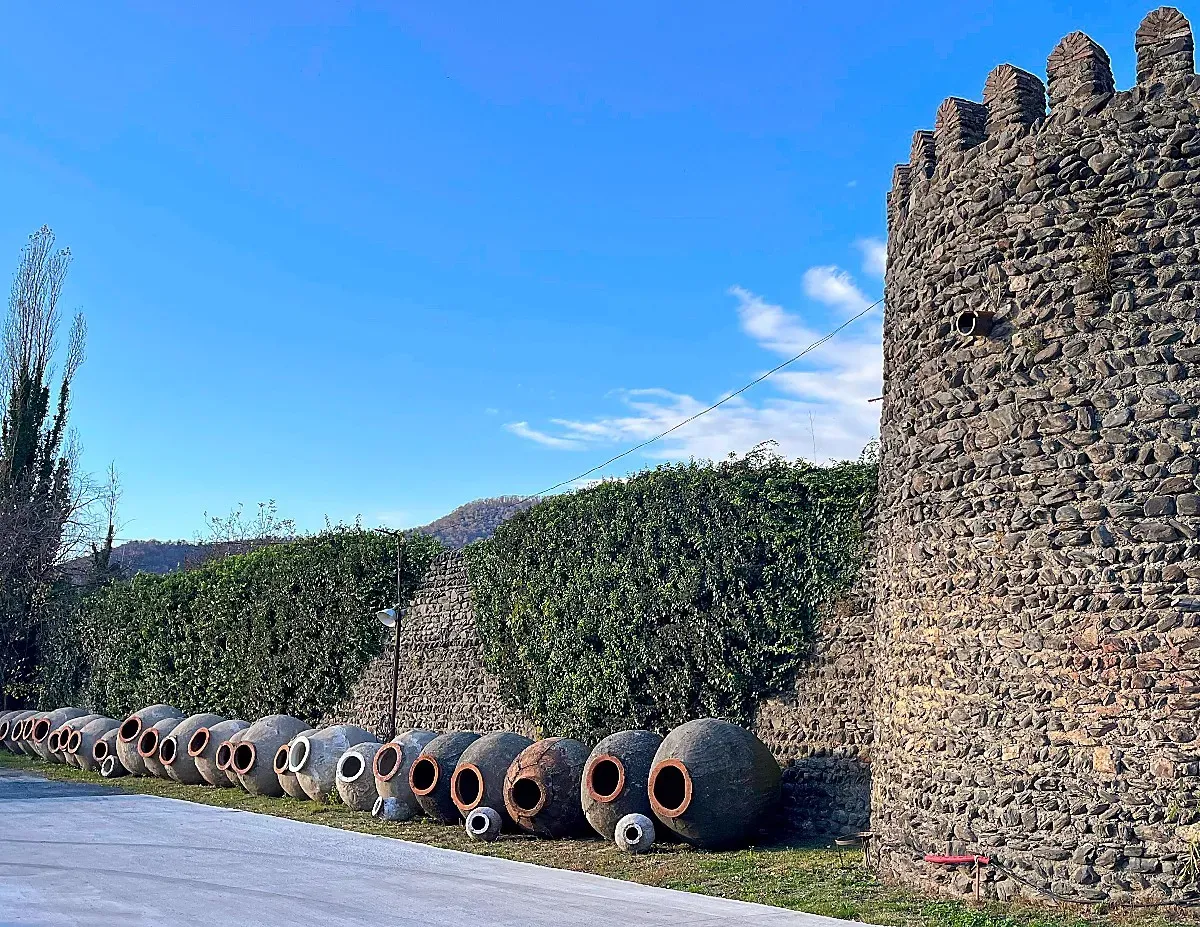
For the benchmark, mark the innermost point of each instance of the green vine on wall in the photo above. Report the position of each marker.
(688, 590)
(287, 628)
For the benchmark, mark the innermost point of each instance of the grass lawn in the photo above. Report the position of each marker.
(807, 876)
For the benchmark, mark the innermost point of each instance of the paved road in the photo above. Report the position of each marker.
(73, 854)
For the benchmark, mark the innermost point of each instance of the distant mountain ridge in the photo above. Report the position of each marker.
(475, 520)
(467, 523)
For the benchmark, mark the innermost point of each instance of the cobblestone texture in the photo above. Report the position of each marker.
(443, 685)
(822, 729)
(1039, 563)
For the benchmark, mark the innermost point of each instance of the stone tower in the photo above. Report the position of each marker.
(1039, 590)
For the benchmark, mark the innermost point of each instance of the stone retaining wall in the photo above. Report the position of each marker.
(443, 685)
(822, 729)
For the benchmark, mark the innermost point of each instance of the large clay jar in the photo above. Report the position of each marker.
(616, 778)
(391, 765)
(59, 741)
(150, 740)
(47, 723)
(254, 754)
(356, 777)
(204, 746)
(287, 779)
(131, 730)
(84, 740)
(714, 783)
(431, 773)
(15, 726)
(313, 757)
(173, 750)
(478, 780)
(541, 788)
(225, 757)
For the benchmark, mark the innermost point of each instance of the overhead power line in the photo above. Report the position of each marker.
(691, 418)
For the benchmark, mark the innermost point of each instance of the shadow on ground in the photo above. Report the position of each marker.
(18, 786)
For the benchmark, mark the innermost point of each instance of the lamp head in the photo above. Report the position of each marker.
(389, 616)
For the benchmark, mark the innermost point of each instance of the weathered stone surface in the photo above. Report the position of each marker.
(1037, 677)
(923, 153)
(1078, 72)
(959, 126)
(1014, 98)
(1165, 47)
(443, 684)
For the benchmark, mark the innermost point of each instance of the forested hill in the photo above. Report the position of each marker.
(159, 556)
(475, 520)
(465, 524)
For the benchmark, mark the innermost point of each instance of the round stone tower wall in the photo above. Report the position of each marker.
(1039, 571)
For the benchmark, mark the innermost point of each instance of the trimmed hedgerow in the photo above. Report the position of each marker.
(287, 628)
(688, 590)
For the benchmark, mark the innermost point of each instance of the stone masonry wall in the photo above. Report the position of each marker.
(1038, 680)
(820, 731)
(443, 685)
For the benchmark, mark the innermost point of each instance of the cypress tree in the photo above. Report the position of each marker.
(38, 494)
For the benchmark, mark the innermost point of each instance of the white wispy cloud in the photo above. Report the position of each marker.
(770, 325)
(834, 287)
(818, 409)
(874, 253)
(522, 429)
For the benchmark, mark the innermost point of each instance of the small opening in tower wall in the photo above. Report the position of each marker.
(974, 322)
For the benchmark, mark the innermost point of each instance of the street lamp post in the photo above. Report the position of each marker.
(390, 618)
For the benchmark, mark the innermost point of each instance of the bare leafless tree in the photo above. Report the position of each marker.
(103, 528)
(239, 533)
(264, 526)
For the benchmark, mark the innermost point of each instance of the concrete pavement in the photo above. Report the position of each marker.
(75, 855)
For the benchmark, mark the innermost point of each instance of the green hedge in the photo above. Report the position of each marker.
(287, 628)
(689, 590)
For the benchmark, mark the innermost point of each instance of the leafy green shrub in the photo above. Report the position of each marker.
(287, 628)
(688, 590)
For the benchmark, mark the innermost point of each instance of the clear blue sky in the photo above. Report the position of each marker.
(382, 259)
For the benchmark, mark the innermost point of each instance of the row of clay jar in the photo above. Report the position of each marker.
(709, 782)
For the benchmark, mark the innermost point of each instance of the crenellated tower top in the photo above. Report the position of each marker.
(1079, 81)
(1165, 48)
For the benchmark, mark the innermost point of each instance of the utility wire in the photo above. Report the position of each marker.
(774, 370)
(691, 418)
